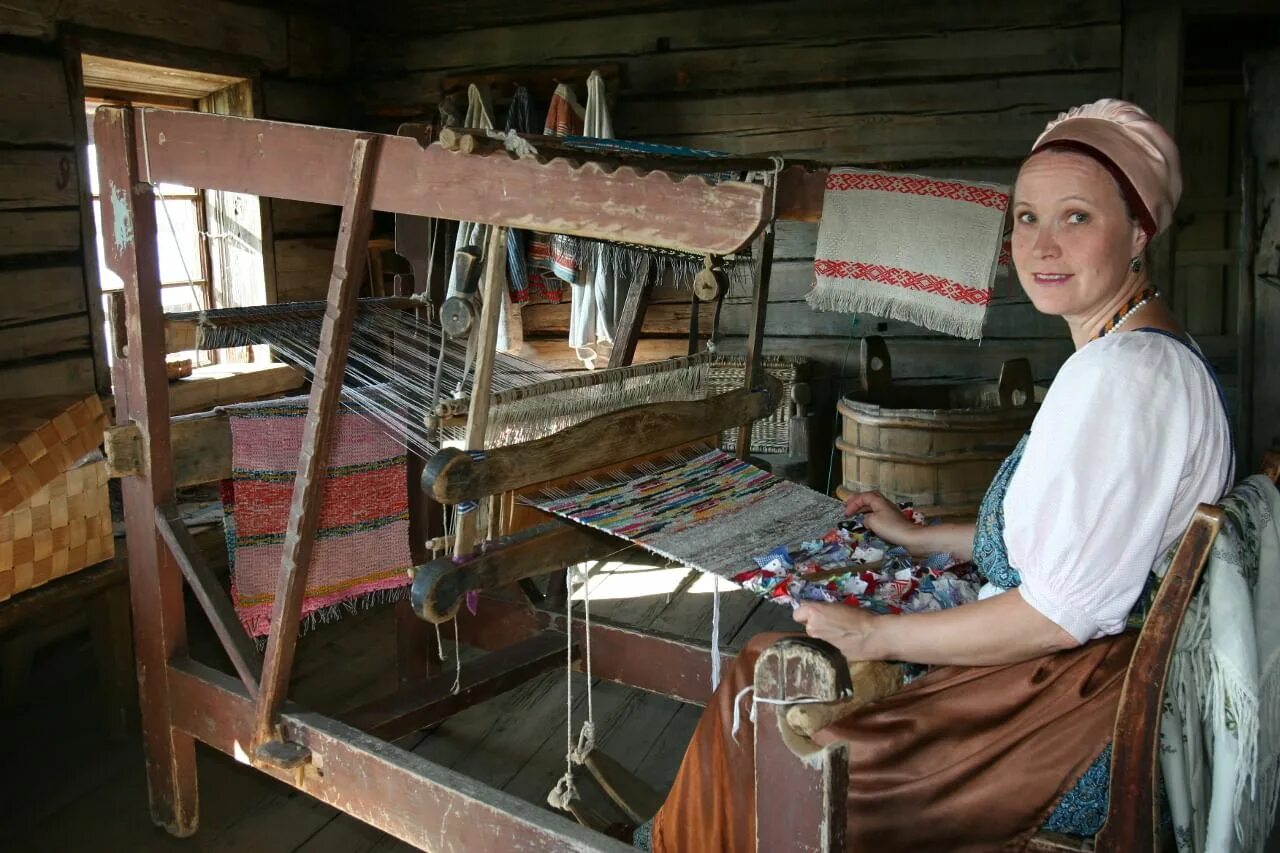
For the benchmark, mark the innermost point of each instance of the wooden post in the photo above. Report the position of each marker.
(486, 353)
(308, 488)
(141, 394)
(631, 321)
(811, 816)
(755, 335)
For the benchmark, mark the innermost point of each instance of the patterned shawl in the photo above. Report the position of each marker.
(1220, 733)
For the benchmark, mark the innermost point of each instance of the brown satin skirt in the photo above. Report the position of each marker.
(966, 758)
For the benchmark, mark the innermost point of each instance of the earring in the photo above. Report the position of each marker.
(1136, 264)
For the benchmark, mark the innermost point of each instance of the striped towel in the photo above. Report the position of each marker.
(909, 247)
(361, 553)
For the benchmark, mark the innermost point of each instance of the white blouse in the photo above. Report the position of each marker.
(1131, 436)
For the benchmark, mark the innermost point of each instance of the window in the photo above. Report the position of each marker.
(210, 242)
(180, 237)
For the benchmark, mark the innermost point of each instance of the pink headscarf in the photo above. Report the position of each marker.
(1137, 151)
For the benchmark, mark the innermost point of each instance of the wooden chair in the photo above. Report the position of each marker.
(818, 779)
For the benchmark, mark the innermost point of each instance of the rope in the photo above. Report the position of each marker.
(715, 632)
(564, 791)
(756, 700)
(457, 661)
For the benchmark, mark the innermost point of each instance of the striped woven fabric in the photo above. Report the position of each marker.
(712, 512)
(361, 553)
(912, 248)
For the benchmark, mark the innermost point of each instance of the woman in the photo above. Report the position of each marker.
(1011, 731)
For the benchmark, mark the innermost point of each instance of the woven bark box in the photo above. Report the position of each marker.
(65, 526)
(42, 437)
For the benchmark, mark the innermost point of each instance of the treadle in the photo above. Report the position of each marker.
(624, 788)
(595, 810)
(282, 754)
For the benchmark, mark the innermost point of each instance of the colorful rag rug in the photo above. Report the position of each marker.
(912, 248)
(361, 553)
(718, 514)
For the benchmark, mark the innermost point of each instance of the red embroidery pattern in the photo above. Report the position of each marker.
(908, 185)
(897, 277)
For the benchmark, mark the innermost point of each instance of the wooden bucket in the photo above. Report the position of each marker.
(937, 446)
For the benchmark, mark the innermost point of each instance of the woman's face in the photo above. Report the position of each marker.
(1073, 238)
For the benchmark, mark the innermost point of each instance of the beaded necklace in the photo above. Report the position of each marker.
(1122, 316)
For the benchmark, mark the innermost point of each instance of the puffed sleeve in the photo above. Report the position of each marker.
(1088, 507)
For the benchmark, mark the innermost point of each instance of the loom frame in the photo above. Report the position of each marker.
(248, 715)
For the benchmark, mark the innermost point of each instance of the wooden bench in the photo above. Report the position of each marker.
(813, 817)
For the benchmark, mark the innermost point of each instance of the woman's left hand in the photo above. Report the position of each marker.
(847, 628)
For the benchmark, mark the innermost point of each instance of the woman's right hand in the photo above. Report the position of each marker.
(883, 518)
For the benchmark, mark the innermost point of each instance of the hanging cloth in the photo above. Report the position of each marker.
(596, 301)
(480, 117)
(564, 117)
(519, 120)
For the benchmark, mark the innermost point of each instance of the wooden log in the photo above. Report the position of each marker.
(670, 318)
(700, 28)
(234, 384)
(27, 295)
(302, 267)
(220, 26)
(38, 179)
(35, 101)
(36, 232)
(128, 220)
(452, 476)
(823, 56)
(247, 155)
(892, 123)
(1005, 319)
(71, 373)
(50, 337)
(308, 488)
(318, 48)
(556, 354)
(308, 102)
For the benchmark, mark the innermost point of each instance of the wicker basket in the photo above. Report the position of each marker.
(41, 437)
(770, 434)
(65, 526)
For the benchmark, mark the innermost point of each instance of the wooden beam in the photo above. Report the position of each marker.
(441, 586)
(452, 476)
(635, 312)
(213, 599)
(649, 660)
(159, 624)
(763, 260)
(201, 447)
(425, 705)
(486, 342)
(262, 157)
(406, 796)
(322, 411)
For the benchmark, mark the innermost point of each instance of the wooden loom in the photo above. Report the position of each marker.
(348, 766)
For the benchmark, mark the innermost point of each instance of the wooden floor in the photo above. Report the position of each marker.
(65, 787)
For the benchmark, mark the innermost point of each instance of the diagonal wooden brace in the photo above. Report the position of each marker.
(308, 487)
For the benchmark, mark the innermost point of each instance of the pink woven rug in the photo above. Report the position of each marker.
(911, 248)
(361, 554)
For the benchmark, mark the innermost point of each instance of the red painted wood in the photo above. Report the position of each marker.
(142, 397)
